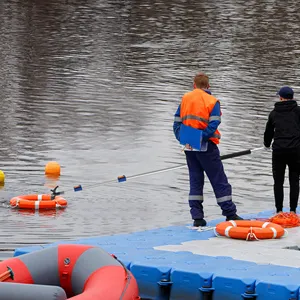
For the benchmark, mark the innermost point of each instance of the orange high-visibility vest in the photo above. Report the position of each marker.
(195, 110)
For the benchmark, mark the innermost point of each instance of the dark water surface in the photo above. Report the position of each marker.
(94, 85)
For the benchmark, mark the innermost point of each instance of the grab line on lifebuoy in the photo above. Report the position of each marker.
(249, 230)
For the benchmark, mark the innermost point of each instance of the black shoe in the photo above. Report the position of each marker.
(235, 217)
(199, 222)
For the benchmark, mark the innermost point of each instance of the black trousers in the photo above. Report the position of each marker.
(279, 163)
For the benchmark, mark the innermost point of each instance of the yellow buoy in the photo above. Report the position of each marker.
(2, 177)
(52, 168)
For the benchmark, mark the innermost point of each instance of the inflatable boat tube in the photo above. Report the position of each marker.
(29, 291)
(82, 272)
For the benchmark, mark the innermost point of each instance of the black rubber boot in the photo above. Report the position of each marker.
(199, 222)
(234, 217)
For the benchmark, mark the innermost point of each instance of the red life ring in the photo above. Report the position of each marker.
(43, 201)
(250, 230)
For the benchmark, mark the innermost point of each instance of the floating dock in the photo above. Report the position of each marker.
(185, 263)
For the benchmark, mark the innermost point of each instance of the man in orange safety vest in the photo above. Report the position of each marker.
(201, 111)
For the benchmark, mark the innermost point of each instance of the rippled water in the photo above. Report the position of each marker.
(94, 85)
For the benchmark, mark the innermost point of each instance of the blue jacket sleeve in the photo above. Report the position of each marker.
(177, 123)
(214, 122)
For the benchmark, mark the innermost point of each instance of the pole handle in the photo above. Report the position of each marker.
(235, 154)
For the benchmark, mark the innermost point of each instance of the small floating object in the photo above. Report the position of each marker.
(78, 188)
(43, 201)
(52, 168)
(122, 178)
(2, 177)
(250, 230)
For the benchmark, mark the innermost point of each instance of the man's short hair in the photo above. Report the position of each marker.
(201, 81)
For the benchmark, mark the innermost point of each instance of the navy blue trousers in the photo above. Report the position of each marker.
(210, 163)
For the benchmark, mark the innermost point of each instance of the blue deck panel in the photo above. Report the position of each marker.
(183, 275)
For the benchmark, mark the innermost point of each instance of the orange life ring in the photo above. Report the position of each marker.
(42, 201)
(250, 230)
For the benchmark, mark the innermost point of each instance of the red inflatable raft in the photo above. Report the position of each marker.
(66, 272)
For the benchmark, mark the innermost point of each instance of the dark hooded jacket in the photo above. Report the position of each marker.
(284, 127)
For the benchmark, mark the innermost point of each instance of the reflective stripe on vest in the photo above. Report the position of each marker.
(192, 117)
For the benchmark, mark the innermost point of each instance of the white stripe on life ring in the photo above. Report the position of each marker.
(233, 223)
(36, 204)
(40, 197)
(265, 224)
(227, 229)
(274, 232)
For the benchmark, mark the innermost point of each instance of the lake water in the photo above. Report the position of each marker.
(94, 86)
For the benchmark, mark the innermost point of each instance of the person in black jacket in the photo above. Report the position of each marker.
(283, 127)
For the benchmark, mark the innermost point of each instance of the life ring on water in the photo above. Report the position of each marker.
(43, 201)
(250, 230)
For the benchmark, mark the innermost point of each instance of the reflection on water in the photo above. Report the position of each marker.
(42, 213)
(51, 181)
(94, 85)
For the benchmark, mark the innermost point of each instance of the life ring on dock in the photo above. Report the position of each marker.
(43, 201)
(249, 230)
(67, 271)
